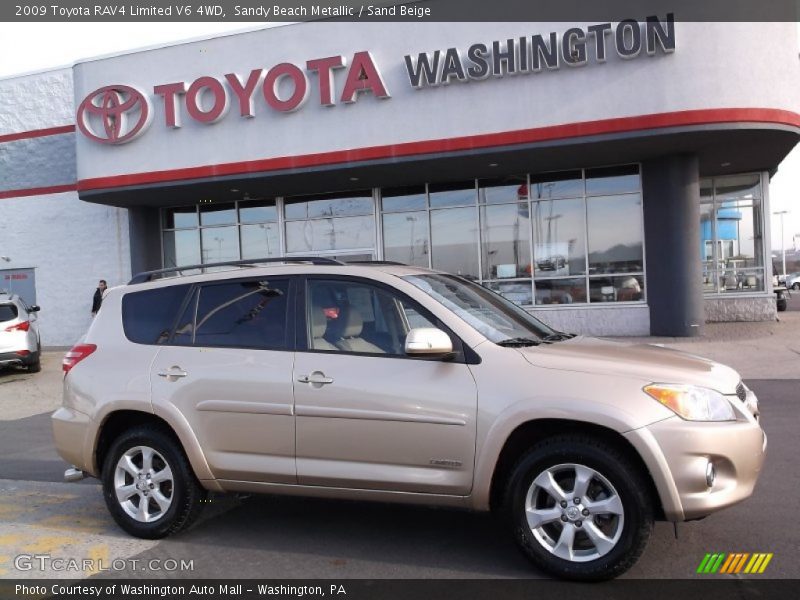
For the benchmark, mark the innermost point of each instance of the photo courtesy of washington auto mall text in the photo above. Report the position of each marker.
(408, 299)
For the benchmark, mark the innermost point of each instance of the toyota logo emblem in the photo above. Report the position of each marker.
(114, 114)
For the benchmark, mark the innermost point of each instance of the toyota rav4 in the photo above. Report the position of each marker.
(394, 383)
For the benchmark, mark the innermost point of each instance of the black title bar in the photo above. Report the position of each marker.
(271, 11)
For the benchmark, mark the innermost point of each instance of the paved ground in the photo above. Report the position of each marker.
(284, 537)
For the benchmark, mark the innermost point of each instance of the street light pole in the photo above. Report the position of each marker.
(783, 242)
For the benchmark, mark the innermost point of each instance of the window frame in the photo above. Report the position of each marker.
(462, 353)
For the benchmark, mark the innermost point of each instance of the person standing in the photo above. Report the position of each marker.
(97, 300)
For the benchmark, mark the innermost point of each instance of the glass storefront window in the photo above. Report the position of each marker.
(454, 241)
(330, 234)
(616, 238)
(506, 246)
(559, 238)
(612, 180)
(452, 194)
(258, 212)
(731, 234)
(219, 244)
(330, 205)
(503, 190)
(402, 199)
(181, 217)
(624, 288)
(260, 240)
(217, 214)
(561, 291)
(181, 248)
(405, 238)
(564, 184)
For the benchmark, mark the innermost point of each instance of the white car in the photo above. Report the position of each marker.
(20, 344)
(793, 281)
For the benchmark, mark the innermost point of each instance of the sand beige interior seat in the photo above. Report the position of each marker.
(346, 332)
(319, 326)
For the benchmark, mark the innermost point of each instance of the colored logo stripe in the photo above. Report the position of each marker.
(720, 562)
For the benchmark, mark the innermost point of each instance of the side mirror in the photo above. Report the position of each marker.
(428, 341)
(35, 308)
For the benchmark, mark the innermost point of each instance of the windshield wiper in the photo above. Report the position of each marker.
(558, 336)
(518, 342)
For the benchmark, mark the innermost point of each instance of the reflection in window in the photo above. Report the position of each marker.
(330, 205)
(452, 194)
(564, 184)
(612, 180)
(502, 190)
(330, 234)
(258, 212)
(625, 288)
(405, 238)
(731, 234)
(181, 248)
(559, 247)
(506, 241)
(405, 198)
(217, 214)
(219, 244)
(615, 234)
(561, 291)
(260, 241)
(181, 217)
(243, 314)
(454, 241)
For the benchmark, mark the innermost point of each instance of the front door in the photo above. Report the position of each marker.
(367, 415)
(228, 370)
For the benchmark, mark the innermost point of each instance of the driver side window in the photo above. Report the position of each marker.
(356, 317)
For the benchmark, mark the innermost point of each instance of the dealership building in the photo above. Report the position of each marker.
(612, 178)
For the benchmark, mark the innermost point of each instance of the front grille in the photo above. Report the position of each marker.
(741, 392)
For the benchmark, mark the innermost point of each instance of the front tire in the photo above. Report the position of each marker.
(579, 508)
(148, 484)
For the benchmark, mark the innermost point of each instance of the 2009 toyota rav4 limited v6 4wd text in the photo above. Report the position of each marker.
(387, 382)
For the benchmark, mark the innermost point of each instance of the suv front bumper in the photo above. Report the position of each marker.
(678, 454)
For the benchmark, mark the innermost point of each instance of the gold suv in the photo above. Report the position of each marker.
(394, 383)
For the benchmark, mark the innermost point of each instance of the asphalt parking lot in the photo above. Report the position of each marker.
(278, 537)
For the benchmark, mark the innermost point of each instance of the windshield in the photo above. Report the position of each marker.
(492, 315)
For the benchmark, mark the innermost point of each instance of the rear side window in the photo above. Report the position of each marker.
(238, 314)
(8, 312)
(148, 316)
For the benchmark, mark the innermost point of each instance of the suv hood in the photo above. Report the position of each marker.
(646, 362)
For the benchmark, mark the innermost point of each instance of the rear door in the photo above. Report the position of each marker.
(228, 369)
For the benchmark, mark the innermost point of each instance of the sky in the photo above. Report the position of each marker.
(28, 47)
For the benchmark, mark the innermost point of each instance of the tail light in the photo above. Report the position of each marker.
(24, 326)
(76, 354)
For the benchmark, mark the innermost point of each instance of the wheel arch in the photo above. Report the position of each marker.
(530, 432)
(119, 421)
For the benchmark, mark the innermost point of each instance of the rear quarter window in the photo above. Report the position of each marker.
(148, 316)
(8, 312)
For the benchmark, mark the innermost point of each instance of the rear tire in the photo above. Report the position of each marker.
(597, 537)
(782, 304)
(148, 484)
(36, 365)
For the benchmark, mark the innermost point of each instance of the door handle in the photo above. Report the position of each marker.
(317, 379)
(173, 373)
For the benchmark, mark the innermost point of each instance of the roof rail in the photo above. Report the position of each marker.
(375, 262)
(146, 276)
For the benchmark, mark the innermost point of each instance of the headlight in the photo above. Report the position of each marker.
(692, 403)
